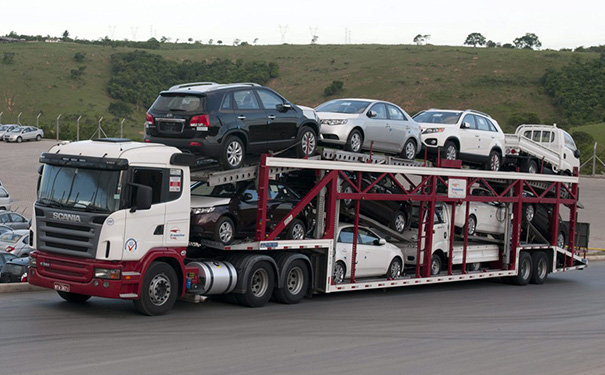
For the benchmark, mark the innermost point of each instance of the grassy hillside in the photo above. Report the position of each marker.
(502, 82)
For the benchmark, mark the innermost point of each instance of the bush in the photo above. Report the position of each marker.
(333, 88)
(77, 73)
(120, 109)
(79, 56)
(523, 118)
(9, 57)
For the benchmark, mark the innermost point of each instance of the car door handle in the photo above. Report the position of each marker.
(271, 117)
(241, 117)
(477, 135)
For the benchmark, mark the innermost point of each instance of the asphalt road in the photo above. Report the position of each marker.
(478, 327)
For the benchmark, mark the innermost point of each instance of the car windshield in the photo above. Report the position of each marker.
(5, 127)
(80, 188)
(179, 103)
(10, 237)
(218, 191)
(16, 130)
(438, 117)
(343, 106)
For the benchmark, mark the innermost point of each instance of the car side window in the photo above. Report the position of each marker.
(395, 113)
(17, 218)
(151, 178)
(481, 123)
(4, 218)
(25, 240)
(471, 121)
(245, 99)
(367, 238)
(381, 111)
(492, 127)
(269, 99)
(3, 193)
(226, 102)
(346, 235)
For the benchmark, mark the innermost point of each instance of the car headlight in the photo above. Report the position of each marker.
(432, 130)
(202, 210)
(104, 273)
(334, 121)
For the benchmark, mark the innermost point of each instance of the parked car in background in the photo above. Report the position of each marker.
(226, 122)
(23, 133)
(4, 229)
(471, 136)
(5, 199)
(375, 256)
(361, 124)
(226, 212)
(14, 220)
(15, 271)
(16, 242)
(7, 128)
(5, 257)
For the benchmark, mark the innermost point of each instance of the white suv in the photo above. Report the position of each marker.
(471, 136)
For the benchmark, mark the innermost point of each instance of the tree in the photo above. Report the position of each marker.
(190, 40)
(255, 41)
(65, 35)
(333, 88)
(475, 38)
(491, 44)
(219, 42)
(236, 42)
(528, 41)
(421, 39)
(210, 41)
(79, 56)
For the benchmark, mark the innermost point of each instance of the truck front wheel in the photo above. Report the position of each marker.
(261, 280)
(159, 291)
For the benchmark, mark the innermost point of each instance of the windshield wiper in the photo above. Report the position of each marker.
(177, 110)
(50, 203)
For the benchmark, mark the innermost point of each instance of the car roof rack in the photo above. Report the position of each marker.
(192, 84)
(479, 112)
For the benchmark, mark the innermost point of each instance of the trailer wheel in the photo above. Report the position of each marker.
(159, 291)
(260, 286)
(340, 270)
(532, 167)
(539, 272)
(394, 270)
(354, 142)
(436, 264)
(296, 231)
(74, 297)
(295, 284)
(525, 270)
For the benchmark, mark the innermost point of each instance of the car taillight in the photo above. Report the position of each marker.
(202, 122)
(148, 120)
(10, 248)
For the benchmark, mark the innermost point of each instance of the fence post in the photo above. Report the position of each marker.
(19, 118)
(1, 117)
(99, 130)
(122, 128)
(78, 128)
(594, 160)
(38, 120)
(58, 117)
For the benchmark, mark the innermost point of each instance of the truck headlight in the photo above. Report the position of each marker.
(202, 210)
(105, 273)
(33, 262)
(432, 130)
(334, 121)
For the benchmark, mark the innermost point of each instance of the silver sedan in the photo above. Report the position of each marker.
(23, 133)
(368, 124)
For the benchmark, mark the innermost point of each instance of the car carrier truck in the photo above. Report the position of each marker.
(112, 219)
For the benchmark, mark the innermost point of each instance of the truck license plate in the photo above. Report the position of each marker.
(62, 287)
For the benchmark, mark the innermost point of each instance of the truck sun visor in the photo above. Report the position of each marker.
(84, 161)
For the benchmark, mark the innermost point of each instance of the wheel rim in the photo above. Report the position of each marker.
(410, 150)
(561, 240)
(308, 142)
(495, 162)
(235, 153)
(348, 190)
(533, 168)
(542, 268)
(472, 226)
(19, 140)
(225, 232)
(435, 266)
(450, 152)
(355, 142)
(399, 223)
(525, 270)
(339, 273)
(474, 266)
(259, 283)
(159, 289)
(295, 280)
(298, 232)
(529, 213)
(395, 269)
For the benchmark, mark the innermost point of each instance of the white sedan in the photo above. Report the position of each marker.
(375, 257)
(24, 133)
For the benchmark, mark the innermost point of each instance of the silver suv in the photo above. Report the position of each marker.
(471, 136)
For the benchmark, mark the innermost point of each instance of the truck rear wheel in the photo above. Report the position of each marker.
(159, 290)
(259, 287)
(74, 297)
(524, 274)
(539, 271)
(295, 284)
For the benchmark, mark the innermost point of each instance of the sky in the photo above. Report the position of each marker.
(558, 24)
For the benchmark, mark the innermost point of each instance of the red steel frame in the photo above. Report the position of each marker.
(424, 192)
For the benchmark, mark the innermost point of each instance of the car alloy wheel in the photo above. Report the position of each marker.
(308, 143)
(494, 161)
(410, 150)
(355, 142)
(225, 232)
(235, 153)
(451, 153)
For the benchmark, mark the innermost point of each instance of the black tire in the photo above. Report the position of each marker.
(409, 150)
(38, 138)
(159, 290)
(224, 230)
(532, 167)
(494, 162)
(19, 139)
(399, 222)
(306, 137)
(339, 272)
(232, 155)
(525, 270)
(394, 270)
(295, 284)
(436, 264)
(74, 297)
(259, 288)
(296, 230)
(450, 151)
(472, 225)
(539, 271)
(354, 141)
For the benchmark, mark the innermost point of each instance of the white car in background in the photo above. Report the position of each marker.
(7, 128)
(364, 124)
(5, 199)
(24, 133)
(16, 242)
(471, 136)
(375, 256)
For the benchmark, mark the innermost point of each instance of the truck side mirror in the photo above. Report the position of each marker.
(142, 197)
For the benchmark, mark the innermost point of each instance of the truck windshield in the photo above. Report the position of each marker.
(80, 188)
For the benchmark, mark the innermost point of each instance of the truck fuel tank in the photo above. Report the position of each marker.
(216, 277)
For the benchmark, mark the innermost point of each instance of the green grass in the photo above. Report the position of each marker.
(500, 82)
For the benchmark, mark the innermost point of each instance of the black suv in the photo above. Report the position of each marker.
(227, 121)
